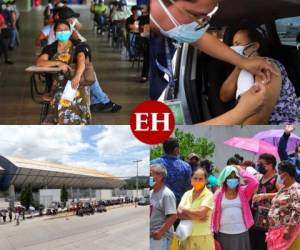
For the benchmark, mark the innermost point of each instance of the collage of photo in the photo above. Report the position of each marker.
(178, 124)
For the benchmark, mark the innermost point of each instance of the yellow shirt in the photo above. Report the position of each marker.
(205, 199)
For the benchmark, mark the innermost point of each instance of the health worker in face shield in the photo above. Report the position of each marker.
(187, 22)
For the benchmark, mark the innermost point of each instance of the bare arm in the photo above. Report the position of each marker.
(195, 214)
(215, 48)
(38, 41)
(80, 67)
(249, 103)
(157, 235)
(273, 90)
(229, 86)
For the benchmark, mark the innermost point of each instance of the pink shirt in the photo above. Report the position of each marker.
(245, 193)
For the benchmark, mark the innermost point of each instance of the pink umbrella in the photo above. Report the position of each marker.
(272, 136)
(253, 145)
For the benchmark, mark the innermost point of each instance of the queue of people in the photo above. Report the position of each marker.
(128, 29)
(248, 206)
(9, 29)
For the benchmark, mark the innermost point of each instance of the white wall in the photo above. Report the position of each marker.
(103, 194)
(49, 195)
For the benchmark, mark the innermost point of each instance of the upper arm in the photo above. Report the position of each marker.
(42, 57)
(273, 89)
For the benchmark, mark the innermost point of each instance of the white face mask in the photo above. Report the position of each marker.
(182, 33)
(239, 49)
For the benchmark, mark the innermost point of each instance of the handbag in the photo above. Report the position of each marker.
(261, 221)
(88, 76)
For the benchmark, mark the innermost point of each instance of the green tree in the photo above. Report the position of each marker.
(188, 144)
(64, 195)
(26, 195)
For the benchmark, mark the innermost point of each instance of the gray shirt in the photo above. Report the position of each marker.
(162, 203)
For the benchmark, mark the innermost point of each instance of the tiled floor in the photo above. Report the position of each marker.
(118, 79)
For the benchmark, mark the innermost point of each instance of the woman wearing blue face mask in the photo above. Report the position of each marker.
(282, 105)
(232, 216)
(63, 52)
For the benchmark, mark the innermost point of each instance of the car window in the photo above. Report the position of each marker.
(288, 29)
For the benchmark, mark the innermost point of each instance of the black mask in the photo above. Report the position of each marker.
(261, 169)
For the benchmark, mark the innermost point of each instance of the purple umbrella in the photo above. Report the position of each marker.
(272, 136)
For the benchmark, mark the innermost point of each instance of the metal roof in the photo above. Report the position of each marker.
(40, 174)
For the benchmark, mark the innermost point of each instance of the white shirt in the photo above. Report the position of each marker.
(48, 31)
(121, 14)
(232, 221)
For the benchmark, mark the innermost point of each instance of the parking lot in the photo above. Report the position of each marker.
(119, 228)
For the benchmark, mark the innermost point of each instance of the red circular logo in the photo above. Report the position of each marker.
(152, 122)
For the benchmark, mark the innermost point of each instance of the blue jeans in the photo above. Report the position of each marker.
(162, 244)
(132, 45)
(97, 94)
(13, 38)
(101, 20)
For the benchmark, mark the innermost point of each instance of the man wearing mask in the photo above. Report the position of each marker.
(187, 22)
(162, 209)
(179, 172)
(295, 158)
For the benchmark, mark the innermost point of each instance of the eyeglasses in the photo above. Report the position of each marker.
(202, 21)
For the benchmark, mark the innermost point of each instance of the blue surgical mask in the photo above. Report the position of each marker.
(232, 183)
(182, 33)
(279, 179)
(63, 36)
(151, 181)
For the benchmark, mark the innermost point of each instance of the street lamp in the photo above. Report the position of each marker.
(136, 180)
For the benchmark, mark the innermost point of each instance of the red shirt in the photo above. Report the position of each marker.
(1, 20)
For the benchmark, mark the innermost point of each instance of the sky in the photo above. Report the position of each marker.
(106, 148)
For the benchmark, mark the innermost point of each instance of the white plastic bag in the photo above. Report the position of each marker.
(68, 95)
(184, 229)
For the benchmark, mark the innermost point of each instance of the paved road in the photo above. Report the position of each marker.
(121, 228)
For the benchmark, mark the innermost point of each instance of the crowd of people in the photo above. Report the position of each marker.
(250, 205)
(127, 27)
(9, 29)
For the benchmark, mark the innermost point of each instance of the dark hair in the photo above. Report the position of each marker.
(206, 164)
(200, 168)
(296, 149)
(233, 161)
(287, 167)
(59, 22)
(134, 8)
(255, 36)
(269, 158)
(170, 144)
(248, 164)
(239, 157)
